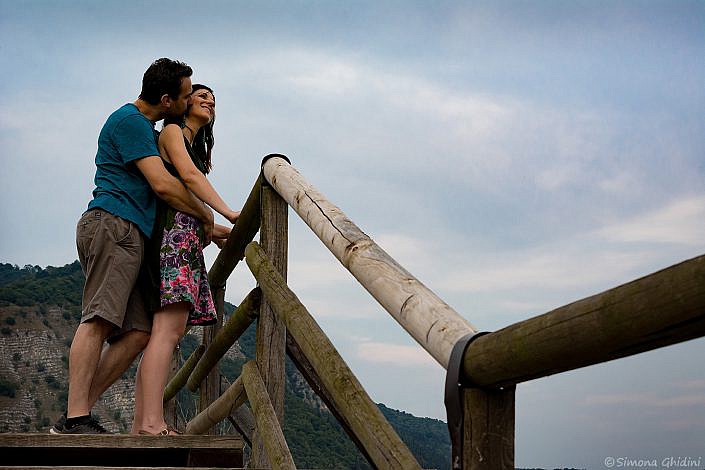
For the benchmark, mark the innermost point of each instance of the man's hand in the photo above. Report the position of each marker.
(220, 235)
(207, 233)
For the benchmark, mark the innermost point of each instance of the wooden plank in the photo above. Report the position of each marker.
(233, 397)
(381, 442)
(488, 429)
(114, 441)
(83, 467)
(268, 426)
(271, 332)
(239, 321)
(664, 308)
(428, 319)
(120, 450)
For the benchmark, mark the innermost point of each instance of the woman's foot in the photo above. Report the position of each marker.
(164, 431)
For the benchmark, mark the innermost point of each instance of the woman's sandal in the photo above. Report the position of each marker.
(167, 431)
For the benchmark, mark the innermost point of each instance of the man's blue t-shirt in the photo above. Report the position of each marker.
(121, 189)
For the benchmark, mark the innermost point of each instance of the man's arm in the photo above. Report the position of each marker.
(172, 191)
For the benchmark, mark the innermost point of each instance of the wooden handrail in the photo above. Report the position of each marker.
(239, 321)
(244, 231)
(380, 441)
(427, 318)
(664, 308)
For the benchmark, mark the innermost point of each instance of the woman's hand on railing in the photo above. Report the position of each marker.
(232, 216)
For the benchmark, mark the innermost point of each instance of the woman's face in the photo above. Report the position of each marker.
(202, 104)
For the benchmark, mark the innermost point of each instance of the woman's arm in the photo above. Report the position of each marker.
(171, 140)
(172, 191)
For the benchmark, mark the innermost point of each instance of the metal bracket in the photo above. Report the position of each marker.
(455, 383)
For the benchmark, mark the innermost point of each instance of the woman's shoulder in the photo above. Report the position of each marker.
(171, 131)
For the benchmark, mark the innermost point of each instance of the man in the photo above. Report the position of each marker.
(110, 239)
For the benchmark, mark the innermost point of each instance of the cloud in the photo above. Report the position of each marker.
(647, 400)
(544, 268)
(680, 222)
(394, 354)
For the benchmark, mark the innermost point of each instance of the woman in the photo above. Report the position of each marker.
(182, 282)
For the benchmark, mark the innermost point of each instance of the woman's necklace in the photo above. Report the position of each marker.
(193, 134)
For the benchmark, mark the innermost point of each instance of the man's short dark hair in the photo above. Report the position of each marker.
(163, 77)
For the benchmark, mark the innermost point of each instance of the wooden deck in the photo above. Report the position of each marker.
(119, 451)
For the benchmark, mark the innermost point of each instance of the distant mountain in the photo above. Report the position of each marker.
(39, 311)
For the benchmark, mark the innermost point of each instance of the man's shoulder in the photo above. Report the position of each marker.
(128, 111)
(127, 119)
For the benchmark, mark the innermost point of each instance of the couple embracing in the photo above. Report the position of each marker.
(140, 244)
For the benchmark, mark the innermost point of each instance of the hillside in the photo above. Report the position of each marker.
(39, 311)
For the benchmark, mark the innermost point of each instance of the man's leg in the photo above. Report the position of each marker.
(110, 250)
(83, 363)
(115, 359)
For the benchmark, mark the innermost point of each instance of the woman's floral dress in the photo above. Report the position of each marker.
(182, 276)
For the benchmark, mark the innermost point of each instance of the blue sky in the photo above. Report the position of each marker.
(514, 156)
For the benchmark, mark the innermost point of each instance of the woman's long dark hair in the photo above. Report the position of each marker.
(203, 141)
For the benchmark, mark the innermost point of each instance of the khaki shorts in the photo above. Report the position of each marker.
(111, 250)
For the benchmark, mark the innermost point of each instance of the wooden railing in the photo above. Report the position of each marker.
(664, 308)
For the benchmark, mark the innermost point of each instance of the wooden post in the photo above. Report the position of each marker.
(428, 319)
(268, 427)
(271, 332)
(382, 444)
(488, 418)
(210, 387)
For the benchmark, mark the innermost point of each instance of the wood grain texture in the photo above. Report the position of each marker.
(112, 441)
(271, 332)
(427, 318)
(268, 426)
(233, 397)
(488, 429)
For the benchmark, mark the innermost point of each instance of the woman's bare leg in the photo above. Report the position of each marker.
(167, 329)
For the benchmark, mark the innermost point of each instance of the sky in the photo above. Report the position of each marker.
(514, 156)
